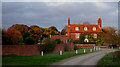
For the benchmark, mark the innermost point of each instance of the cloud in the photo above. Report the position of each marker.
(46, 14)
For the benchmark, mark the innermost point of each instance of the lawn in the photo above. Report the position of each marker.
(112, 59)
(47, 59)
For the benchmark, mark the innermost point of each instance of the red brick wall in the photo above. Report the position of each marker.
(20, 49)
(85, 45)
(59, 47)
(27, 49)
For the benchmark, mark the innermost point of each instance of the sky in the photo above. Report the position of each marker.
(46, 14)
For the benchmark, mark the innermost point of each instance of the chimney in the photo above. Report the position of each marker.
(68, 20)
(68, 26)
(100, 22)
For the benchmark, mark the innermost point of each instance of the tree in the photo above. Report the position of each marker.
(11, 37)
(48, 46)
(64, 30)
(58, 41)
(48, 31)
(110, 35)
(53, 28)
(82, 37)
(36, 32)
(19, 27)
(29, 40)
(52, 33)
(26, 34)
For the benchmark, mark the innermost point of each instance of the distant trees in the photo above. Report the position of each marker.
(20, 33)
(64, 30)
(111, 37)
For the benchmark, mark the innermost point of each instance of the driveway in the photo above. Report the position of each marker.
(87, 59)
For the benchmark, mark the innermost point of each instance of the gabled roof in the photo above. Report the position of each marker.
(81, 28)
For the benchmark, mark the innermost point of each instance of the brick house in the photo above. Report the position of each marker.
(74, 31)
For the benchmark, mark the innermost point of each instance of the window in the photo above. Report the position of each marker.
(94, 28)
(77, 36)
(85, 28)
(76, 28)
(95, 35)
(65, 41)
(86, 36)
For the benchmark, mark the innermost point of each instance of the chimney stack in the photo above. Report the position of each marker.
(100, 22)
(68, 20)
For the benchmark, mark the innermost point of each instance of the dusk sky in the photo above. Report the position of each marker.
(46, 14)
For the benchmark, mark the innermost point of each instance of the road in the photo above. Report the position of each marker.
(87, 59)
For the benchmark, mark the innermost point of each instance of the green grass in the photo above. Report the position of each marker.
(111, 59)
(47, 59)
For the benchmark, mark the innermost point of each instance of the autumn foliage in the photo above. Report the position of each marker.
(23, 34)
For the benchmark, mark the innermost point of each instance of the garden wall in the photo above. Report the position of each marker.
(20, 50)
(59, 47)
(85, 45)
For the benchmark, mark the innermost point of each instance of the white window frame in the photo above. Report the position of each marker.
(95, 36)
(77, 28)
(85, 28)
(77, 36)
(94, 28)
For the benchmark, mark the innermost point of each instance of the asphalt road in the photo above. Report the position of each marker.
(83, 60)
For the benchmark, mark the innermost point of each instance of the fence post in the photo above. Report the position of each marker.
(42, 53)
(94, 48)
(99, 48)
(76, 51)
(60, 52)
(84, 51)
(91, 50)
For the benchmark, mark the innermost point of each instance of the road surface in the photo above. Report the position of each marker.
(87, 59)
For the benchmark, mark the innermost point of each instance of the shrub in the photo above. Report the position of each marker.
(29, 40)
(49, 45)
(75, 47)
(58, 41)
(67, 47)
(77, 41)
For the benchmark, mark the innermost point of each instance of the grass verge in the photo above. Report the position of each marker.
(47, 59)
(110, 60)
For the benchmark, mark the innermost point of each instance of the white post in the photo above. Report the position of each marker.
(50, 36)
(94, 48)
(84, 51)
(90, 50)
(112, 47)
(60, 52)
(76, 51)
(42, 53)
(99, 48)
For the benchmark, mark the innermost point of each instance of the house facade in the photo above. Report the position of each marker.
(74, 31)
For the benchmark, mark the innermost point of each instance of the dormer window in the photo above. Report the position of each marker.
(94, 28)
(85, 28)
(77, 28)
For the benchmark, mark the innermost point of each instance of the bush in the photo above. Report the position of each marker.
(58, 41)
(48, 46)
(29, 40)
(77, 41)
(75, 47)
(67, 47)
